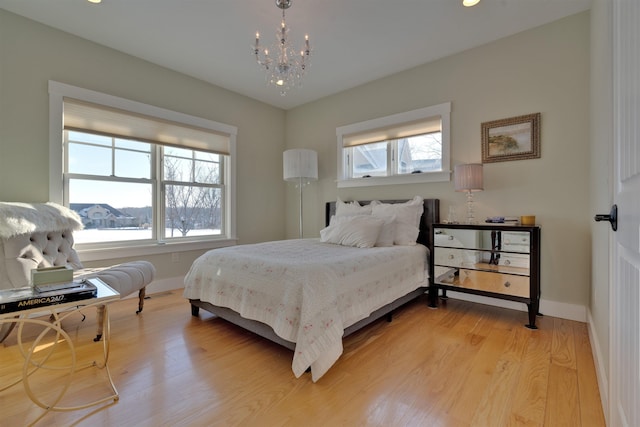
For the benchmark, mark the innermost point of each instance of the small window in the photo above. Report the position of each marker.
(419, 154)
(403, 148)
(368, 160)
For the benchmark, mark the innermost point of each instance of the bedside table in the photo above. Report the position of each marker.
(493, 260)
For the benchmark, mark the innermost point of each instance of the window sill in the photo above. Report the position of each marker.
(399, 179)
(131, 251)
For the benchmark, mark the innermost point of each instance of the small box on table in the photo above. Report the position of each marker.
(46, 275)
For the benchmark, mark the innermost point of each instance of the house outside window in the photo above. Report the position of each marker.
(408, 147)
(142, 179)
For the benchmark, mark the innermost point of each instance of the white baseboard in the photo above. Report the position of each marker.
(601, 372)
(164, 285)
(161, 285)
(549, 308)
(564, 310)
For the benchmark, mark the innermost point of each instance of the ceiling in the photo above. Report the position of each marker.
(353, 41)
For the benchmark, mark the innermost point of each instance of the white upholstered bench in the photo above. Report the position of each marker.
(41, 235)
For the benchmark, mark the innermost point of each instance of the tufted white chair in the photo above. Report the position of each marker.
(41, 235)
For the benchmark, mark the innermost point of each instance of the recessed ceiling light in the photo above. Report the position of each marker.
(469, 3)
(100, 1)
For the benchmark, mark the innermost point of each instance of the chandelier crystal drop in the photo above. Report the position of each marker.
(284, 65)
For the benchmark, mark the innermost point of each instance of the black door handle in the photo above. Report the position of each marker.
(612, 217)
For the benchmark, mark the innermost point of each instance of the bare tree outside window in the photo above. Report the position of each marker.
(420, 153)
(192, 196)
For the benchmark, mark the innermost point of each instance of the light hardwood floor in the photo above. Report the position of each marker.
(463, 364)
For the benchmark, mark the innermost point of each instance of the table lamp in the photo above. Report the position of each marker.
(468, 177)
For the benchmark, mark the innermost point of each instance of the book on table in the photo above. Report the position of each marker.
(17, 299)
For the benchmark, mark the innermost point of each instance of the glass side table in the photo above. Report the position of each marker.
(45, 358)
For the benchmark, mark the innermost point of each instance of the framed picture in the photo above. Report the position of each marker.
(515, 138)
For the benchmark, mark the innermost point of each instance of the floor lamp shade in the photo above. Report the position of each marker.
(300, 163)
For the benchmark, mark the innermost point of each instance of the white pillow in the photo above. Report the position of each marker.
(387, 232)
(361, 231)
(351, 208)
(407, 218)
(405, 234)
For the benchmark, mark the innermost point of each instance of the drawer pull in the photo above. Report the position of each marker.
(507, 284)
(451, 256)
(450, 237)
(507, 262)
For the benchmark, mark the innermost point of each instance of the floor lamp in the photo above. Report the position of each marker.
(468, 177)
(300, 165)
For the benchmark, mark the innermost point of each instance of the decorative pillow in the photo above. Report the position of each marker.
(407, 218)
(405, 234)
(351, 208)
(387, 232)
(361, 231)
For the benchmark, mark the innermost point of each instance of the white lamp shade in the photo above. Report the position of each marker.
(300, 163)
(468, 177)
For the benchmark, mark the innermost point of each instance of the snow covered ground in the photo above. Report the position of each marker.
(93, 235)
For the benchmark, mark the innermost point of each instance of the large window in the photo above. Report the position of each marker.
(112, 183)
(140, 178)
(403, 148)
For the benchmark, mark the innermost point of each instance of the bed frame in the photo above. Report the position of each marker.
(430, 216)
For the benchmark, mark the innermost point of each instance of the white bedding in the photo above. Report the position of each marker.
(307, 291)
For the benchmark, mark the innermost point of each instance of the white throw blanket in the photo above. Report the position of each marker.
(23, 218)
(307, 291)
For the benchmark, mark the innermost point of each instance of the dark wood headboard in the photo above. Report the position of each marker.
(430, 216)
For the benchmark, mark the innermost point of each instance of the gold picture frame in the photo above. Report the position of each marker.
(515, 138)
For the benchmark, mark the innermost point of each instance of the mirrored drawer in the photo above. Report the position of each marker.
(514, 260)
(471, 239)
(500, 283)
(516, 241)
(456, 257)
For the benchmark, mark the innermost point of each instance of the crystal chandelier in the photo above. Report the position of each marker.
(284, 66)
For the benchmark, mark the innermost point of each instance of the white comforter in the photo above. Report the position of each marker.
(307, 291)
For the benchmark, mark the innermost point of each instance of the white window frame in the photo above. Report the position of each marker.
(442, 110)
(57, 93)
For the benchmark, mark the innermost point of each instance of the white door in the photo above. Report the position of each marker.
(624, 371)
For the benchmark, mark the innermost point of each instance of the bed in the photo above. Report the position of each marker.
(307, 294)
